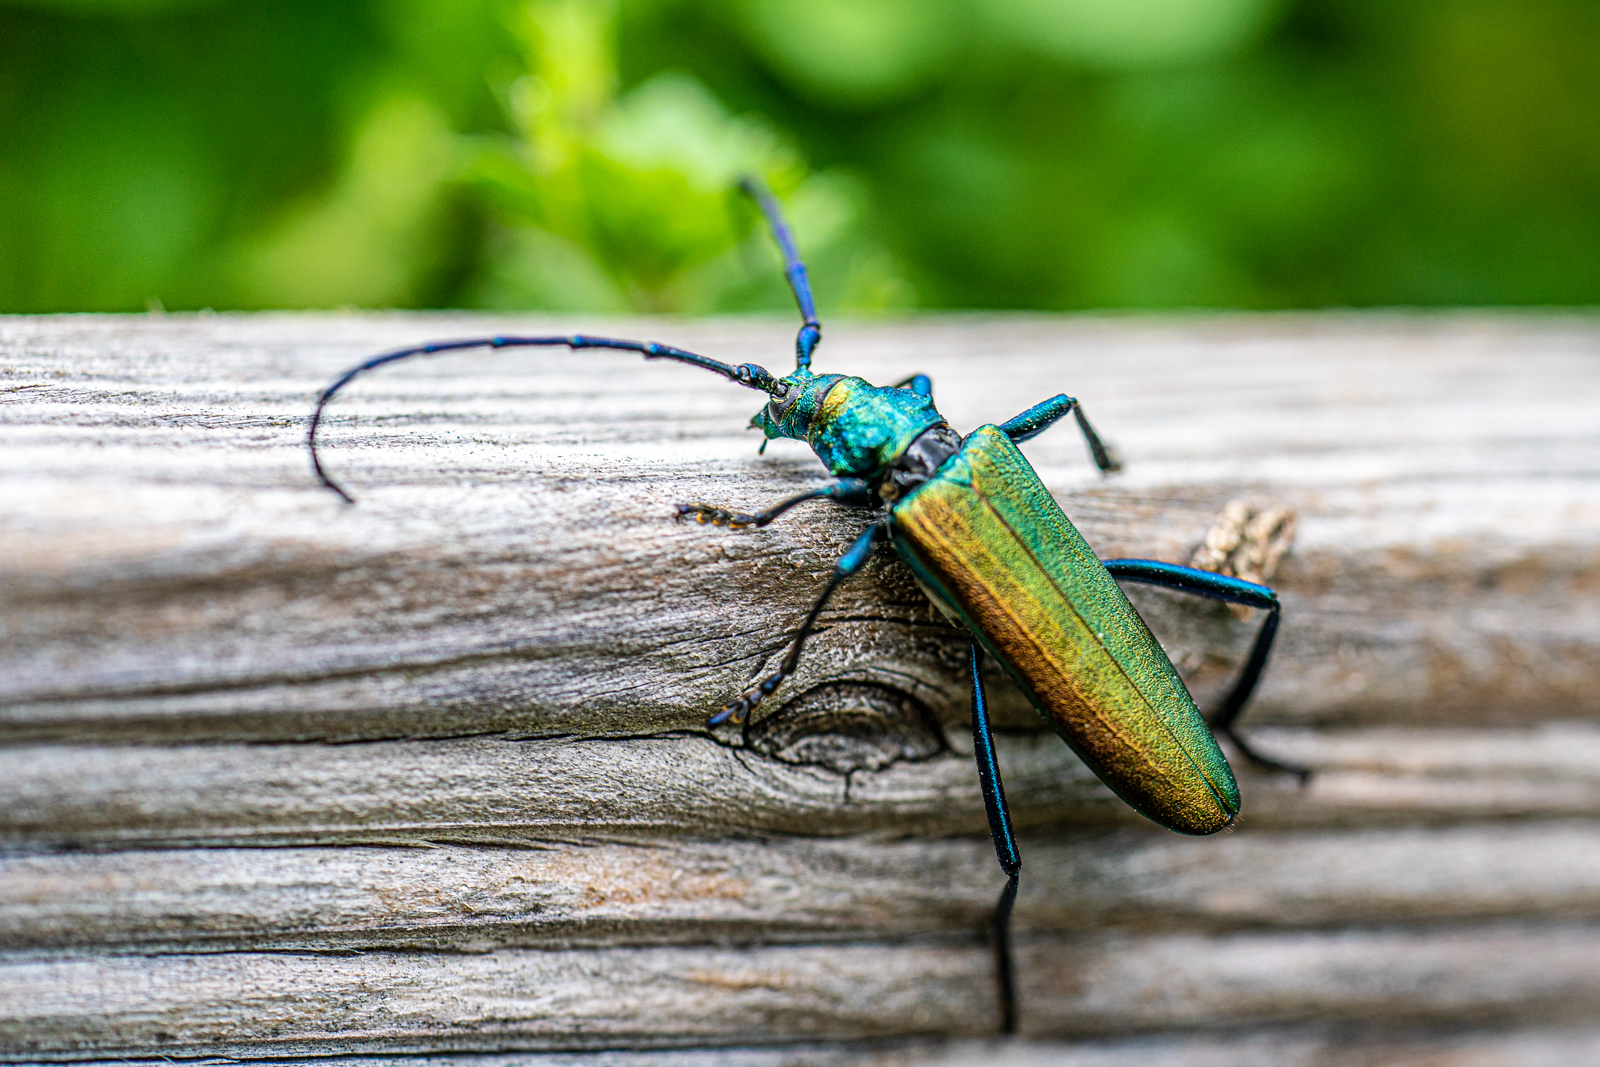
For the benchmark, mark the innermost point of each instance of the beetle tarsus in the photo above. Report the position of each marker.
(739, 710)
(851, 492)
(734, 520)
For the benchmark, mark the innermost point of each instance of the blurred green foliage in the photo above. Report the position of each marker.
(579, 154)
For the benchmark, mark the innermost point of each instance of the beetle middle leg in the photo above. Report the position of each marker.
(854, 558)
(1005, 842)
(1230, 591)
(851, 492)
(1039, 418)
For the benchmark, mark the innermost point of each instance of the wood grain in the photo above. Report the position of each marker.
(793, 890)
(533, 791)
(254, 1004)
(429, 774)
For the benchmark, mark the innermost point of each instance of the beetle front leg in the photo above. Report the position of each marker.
(1229, 590)
(853, 560)
(1039, 418)
(851, 492)
(1005, 842)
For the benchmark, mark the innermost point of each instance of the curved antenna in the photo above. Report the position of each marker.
(746, 374)
(793, 269)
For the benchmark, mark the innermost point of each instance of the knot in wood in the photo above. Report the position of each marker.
(847, 727)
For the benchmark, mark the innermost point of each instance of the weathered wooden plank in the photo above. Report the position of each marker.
(1505, 975)
(475, 899)
(272, 1004)
(1368, 1046)
(514, 565)
(1300, 1047)
(519, 646)
(255, 1004)
(544, 790)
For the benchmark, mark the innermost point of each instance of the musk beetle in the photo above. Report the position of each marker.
(995, 553)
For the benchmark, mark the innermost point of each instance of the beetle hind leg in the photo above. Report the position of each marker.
(1005, 841)
(1229, 590)
(1265, 763)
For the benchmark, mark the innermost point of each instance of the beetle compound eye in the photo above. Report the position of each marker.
(779, 407)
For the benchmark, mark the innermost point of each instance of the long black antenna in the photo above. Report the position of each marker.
(793, 269)
(747, 374)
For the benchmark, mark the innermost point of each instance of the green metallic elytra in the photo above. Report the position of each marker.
(986, 538)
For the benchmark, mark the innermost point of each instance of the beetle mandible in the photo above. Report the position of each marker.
(994, 552)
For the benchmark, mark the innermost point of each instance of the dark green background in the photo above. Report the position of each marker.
(943, 153)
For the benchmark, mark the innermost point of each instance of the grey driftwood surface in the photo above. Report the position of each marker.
(428, 776)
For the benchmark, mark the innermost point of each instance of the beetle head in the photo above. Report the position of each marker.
(792, 411)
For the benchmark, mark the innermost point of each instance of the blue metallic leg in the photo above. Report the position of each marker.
(793, 269)
(1041, 417)
(920, 384)
(853, 560)
(747, 374)
(1005, 842)
(851, 492)
(1230, 591)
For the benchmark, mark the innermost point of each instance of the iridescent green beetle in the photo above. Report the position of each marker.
(995, 553)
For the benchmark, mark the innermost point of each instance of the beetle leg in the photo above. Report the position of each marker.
(920, 384)
(1005, 842)
(854, 558)
(1039, 418)
(1230, 591)
(851, 492)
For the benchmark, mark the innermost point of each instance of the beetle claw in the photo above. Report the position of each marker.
(737, 711)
